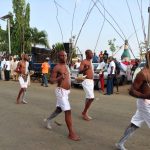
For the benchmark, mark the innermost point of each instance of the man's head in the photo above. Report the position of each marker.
(101, 59)
(47, 59)
(24, 57)
(147, 56)
(62, 56)
(110, 58)
(89, 54)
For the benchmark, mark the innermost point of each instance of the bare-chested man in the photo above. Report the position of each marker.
(141, 90)
(22, 70)
(86, 68)
(61, 76)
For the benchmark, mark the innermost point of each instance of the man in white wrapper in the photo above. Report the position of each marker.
(24, 78)
(141, 90)
(61, 76)
(86, 68)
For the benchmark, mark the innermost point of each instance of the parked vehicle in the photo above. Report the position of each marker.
(38, 55)
(138, 69)
(75, 73)
(97, 85)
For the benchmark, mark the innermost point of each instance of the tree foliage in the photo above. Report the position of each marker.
(112, 46)
(22, 36)
(59, 47)
(39, 37)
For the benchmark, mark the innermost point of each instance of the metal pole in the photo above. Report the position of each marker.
(8, 22)
(148, 38)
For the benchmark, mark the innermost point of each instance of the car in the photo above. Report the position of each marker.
(97, 85)
(74, 75)
(138, 69)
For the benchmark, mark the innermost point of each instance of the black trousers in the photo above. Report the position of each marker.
(7, 75)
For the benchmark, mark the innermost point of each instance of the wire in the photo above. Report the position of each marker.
(73, 17)
(100, 31)
(61, 7)
(56, 4)
(86, 18)
(113, 19)
(133, 23)
(109, 21)
(142, 20)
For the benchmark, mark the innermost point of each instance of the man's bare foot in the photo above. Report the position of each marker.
(86, 117)
(74, 137)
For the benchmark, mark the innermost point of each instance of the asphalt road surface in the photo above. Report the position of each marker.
(22, 127)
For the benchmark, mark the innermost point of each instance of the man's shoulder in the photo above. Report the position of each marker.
(58, 66)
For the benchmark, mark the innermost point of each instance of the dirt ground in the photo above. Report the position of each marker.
(22, 127)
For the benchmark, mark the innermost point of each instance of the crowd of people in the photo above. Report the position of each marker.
(8, 65)
(117, 72)
(61, 75)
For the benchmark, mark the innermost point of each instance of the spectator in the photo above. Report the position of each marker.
(7, 69)
(105, 56)
(101, 55)
(2, 68)
(111, 73)
(101, 68)
(77, 64)
(95, 59)
(14, 73)
(45, 70)
(116, 77)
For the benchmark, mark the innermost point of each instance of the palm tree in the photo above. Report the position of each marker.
(39, 37)
(55, 49)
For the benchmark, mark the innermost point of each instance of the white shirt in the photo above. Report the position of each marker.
(77, 64)
(3, 63)
(7, 64)
(101, 65)
(111, 64)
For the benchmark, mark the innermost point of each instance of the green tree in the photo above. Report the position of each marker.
(55, 49)
(112, 46)
(19, 10)
(39, 37)
(58, 47)
(27, 33)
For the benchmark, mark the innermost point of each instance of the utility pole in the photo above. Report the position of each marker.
(8, 26)
(9, 42)
(148, 38)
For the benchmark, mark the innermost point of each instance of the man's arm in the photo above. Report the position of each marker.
(18, 69)
(135, 89)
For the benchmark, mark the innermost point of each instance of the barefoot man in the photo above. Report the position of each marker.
(22, 70)
(86, 68)
(61, 76)
(141, 90)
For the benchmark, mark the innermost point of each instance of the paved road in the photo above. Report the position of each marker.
(22, 127)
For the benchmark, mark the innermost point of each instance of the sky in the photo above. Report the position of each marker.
(58, 21)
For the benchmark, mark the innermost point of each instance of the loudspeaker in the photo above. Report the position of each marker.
(67, 47)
